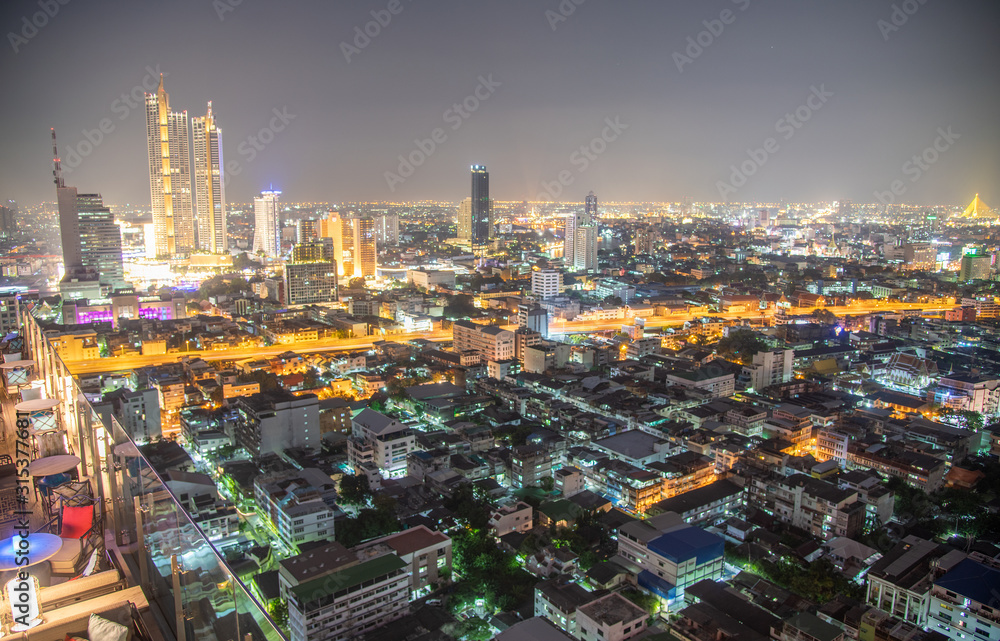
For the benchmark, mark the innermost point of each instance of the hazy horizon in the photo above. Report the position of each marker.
(807, 102)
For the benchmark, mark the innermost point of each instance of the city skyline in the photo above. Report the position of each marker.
(664, 119)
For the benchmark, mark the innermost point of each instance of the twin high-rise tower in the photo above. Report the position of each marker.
(176, 207)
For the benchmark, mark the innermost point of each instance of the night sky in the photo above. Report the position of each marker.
(547, 85)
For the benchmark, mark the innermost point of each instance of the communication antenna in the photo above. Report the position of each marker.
(57, 171)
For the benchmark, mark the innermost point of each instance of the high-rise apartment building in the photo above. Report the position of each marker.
(919, 256)
(209, 183)
(770, 368)
(387, 230)
(569, 239)
(271, 422)
(267, 218)
(365, 249)
(975, 267)
(580, 238)
(311, 275)
(8, 218)
(533, 317)
(307, 230)
(169, 175)
(644, 241)
(491, 342)
(585, 252)
(546, 283)
(465, 219)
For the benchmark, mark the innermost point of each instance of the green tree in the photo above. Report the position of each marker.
(967, 419)
(370, 523)
(354, 489)
(460, 306)
(740, 345)
(279, 612)
(825, 316)
(356, 283)
(475, 629)
(243, 261)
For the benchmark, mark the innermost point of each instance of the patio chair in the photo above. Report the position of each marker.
(82, 532)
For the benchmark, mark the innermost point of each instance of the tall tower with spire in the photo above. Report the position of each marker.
(209, 183)
(169, 175)
(91, 240)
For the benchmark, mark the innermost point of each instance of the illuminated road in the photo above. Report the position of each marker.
(578, 327)
(130, 362)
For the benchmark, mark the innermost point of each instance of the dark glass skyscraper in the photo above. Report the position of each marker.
(482, 206)
(91, 240)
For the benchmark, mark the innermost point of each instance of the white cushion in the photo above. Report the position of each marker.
(100, 629)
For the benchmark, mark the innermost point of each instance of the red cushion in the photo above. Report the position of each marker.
(76, 521)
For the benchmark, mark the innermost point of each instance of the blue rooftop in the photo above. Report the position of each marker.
(973, 581)
(687, 543)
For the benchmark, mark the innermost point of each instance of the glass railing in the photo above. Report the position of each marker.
(192, 592)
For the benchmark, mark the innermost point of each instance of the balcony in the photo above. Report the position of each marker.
(155, 567)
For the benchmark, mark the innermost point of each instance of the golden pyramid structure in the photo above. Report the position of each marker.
(978, 209)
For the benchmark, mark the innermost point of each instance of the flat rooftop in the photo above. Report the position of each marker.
(612, 610)
(634, 444)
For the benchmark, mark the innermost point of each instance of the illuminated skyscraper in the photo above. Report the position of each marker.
(209, 183)
(169, 175)
(482, 207)
(267, 218)
(340, 228)
(365, 249)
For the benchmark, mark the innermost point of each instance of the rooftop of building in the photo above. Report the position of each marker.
(814, 626)
(975, 581)
(533, 629)
(686, 543)
(613, 609)
(634, 444)
(348, 577)
(376, 422)
(695, 499)
(417, 538)
(318, 561)
(566, 595)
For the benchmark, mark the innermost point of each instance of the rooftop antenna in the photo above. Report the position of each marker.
(57, 171)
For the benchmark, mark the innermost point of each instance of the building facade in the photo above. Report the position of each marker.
(169, 175)
(209, 183)
(267, 224)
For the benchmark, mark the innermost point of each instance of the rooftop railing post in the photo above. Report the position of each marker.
(178, 600)
(140, 541)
